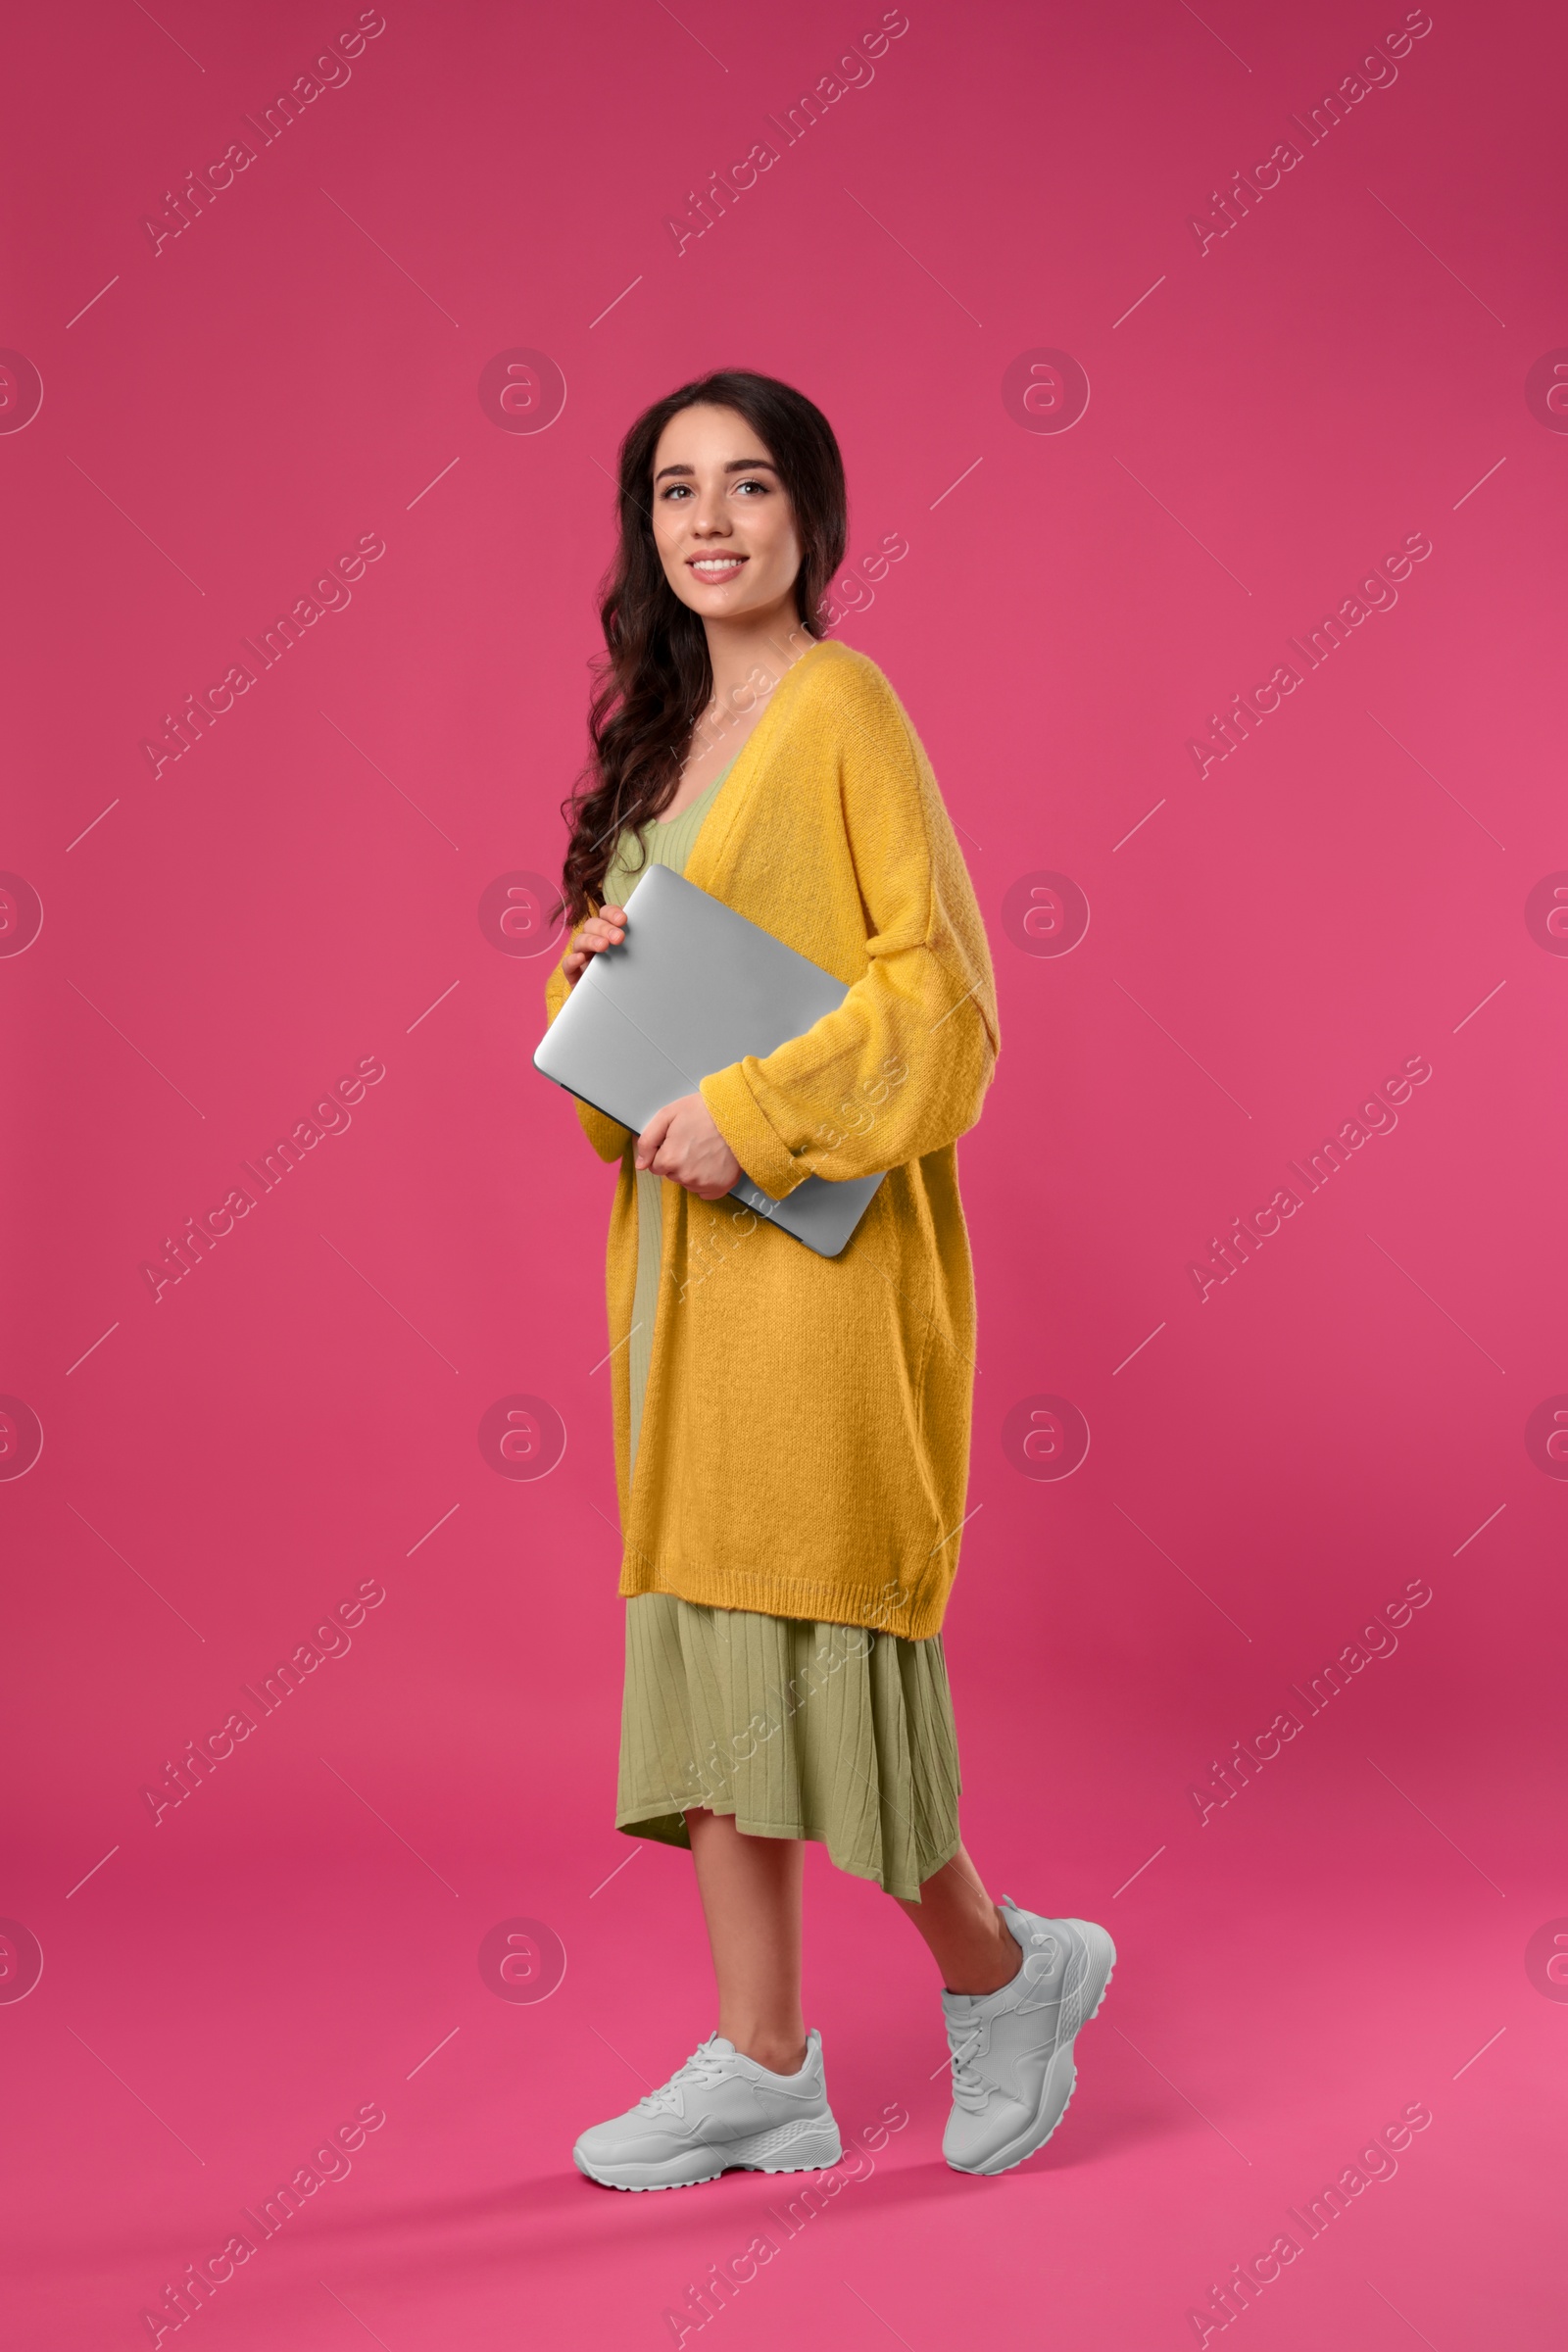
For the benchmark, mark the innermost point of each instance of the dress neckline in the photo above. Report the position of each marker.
(662, 821)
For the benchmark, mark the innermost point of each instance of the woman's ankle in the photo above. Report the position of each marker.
(994, 1970)
(778, 2052)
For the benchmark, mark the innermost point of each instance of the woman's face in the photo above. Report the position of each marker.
(722, 519)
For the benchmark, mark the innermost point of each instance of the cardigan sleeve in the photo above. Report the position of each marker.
(607, 1135)
(901, 1066)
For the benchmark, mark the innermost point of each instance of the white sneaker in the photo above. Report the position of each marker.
(719, 2110)
(1012, 2062)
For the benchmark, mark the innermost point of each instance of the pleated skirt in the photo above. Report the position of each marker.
(798, 1730)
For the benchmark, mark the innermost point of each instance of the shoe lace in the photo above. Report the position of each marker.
(969, 2086)
(705, 2067)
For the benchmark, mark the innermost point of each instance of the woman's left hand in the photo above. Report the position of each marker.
(682, 1143)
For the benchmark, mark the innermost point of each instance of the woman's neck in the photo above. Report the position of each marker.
(749, 655)
(770, 642)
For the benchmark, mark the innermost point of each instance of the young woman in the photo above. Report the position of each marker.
(792, 1432)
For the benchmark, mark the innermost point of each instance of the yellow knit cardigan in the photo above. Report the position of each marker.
(804, 1442)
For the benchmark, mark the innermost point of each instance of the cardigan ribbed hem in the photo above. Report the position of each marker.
(894, 1606)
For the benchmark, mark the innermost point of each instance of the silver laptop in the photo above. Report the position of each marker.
(692, 988)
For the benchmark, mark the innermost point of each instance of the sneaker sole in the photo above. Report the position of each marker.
(789, 2148)
(1094, 1984)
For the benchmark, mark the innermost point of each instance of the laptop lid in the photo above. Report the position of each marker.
(692, 988)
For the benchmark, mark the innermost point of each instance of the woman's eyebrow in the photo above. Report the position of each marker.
(735, 466)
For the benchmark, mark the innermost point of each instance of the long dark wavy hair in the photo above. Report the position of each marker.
(655, 679)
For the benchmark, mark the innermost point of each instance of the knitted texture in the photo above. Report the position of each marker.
(804, 1443)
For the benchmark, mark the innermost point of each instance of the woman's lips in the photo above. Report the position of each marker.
(714, 570)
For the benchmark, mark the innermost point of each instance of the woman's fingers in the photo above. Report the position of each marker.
(653, 1135)
(606, 929)
(682, 1143)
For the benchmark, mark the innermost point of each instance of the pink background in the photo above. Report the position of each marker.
(1267, 1467)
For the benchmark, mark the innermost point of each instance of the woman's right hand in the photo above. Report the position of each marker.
(607, 929)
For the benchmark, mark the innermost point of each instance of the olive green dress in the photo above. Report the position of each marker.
(836, 1733)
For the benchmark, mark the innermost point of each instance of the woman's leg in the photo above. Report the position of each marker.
(751, 1890)
(968, 1937)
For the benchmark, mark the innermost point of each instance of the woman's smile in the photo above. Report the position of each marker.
(714, 570)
